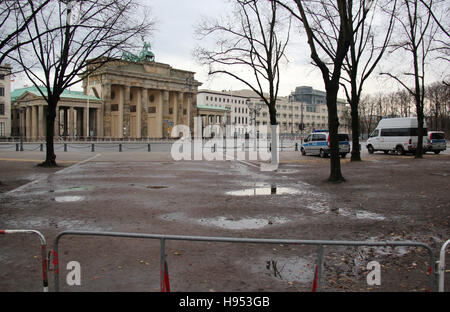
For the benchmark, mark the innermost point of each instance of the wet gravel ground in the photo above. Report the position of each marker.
(385, 197)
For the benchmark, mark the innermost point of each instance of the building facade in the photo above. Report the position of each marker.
(292, 112)
(29, 114)
(142, 99)
(5, 101)
(237, 106)
(123, 99)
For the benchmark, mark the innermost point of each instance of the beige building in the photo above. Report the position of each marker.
(291, 113)
(142, 99)
(5, 101)
(238, 114)
(122, 99)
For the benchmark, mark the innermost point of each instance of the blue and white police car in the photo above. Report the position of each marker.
(318, 143)
(436, 142)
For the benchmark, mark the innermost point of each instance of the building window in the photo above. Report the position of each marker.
(2, 129)
(185, 111)
(152, 110)
(170, 111)
(151, 98)
(207, 98)
(114, 107)
(2, 109)
(113, 95)
(133, 109)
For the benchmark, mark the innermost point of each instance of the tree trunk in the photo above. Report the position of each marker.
(50, 157)
(356, 151)
(333, 124)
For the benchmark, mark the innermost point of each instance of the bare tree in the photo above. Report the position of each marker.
(416, 36)
(368, 114)
(438, 96)
(15, 16)
(252, 38)
(364, 55)
(334, 16)
(67, 39)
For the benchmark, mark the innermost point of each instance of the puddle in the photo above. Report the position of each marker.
(263, 191)
(361, 215)
(292, 269)
(69, 199)
(242, 224)
(287, 171)
(227, 222)
(325, 208)
(74, 189)
(157, 187)
(60, 223)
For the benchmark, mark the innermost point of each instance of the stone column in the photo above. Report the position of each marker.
(56, 133)
(99, 125)
(139, 113)
(188, 110)
(34, 122)
(144, 112)
(28, 122)
(71, 122)
(21, 122)
(163, 102)
(176, 103)
(41, 121)
(126, 111)
(85, 122)
(105, 121)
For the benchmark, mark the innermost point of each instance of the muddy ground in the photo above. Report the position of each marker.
(385, 197)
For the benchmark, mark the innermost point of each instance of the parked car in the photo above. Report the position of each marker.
(318, 143)
(436, 142)
(399, 135)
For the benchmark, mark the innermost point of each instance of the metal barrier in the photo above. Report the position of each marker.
(441, 267)
(163, 238)
(43, 252)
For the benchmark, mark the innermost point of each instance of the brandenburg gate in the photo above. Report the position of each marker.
(142, 98)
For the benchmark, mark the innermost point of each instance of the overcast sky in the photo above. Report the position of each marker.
(173, 42)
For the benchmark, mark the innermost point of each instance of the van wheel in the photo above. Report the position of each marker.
(303, 151)
(399, 151)
(370, 149)
(322, 154)
(386, 152)
(437, 152)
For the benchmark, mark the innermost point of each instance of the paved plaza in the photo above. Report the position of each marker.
(148, 192)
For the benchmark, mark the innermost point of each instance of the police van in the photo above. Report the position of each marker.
(436, 142)
(399, 135)
(318, 143)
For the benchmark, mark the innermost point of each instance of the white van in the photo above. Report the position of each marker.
(396, 134)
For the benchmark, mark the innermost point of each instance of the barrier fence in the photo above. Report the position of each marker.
(131, 146)
(441, 266)
(164, 282)
(43, 252)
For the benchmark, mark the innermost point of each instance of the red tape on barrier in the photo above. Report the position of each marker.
(316, 276)
(55, 261)
(166, 282)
